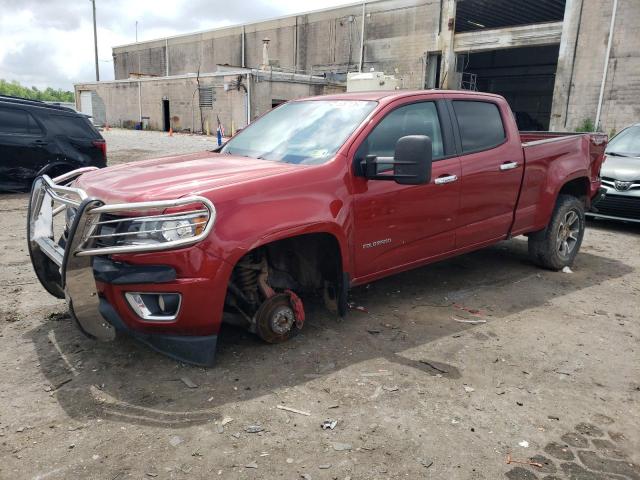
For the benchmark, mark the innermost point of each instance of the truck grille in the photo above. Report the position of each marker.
(619, 206)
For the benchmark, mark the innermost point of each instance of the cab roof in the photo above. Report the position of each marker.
(390, 95)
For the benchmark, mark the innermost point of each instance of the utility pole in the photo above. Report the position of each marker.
(95, 40)
(136, 31)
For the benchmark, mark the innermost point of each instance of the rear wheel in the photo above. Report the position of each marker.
(558, 244)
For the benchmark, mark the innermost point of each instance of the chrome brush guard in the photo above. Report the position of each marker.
(65, 267)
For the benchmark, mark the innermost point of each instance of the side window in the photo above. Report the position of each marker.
(18, 122)
(72, 126)
(480, 125)
(414, 119)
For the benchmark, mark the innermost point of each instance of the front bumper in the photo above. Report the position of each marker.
(94, 285)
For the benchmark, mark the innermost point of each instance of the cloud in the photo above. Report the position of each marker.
(49, 43)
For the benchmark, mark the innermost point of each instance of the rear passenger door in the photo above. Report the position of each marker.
(491, 164)
(23, 147)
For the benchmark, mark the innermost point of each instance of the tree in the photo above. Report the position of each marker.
(14, 89)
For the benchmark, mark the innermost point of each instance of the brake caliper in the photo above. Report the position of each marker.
(298, 308)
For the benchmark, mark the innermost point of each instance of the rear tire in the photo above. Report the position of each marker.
(556, 246)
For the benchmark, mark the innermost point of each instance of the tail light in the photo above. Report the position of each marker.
(102, 146)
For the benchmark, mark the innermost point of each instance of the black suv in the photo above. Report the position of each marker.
(37, 138)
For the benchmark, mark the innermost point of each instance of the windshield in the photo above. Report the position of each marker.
(306, 132)
(626, 143)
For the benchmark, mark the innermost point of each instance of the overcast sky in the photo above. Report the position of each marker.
(49, 43)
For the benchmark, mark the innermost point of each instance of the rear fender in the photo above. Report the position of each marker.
(548, 168)
(550, 197)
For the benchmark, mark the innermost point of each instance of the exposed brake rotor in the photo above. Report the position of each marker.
(279, 317)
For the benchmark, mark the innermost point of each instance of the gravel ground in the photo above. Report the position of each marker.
(552, 379)
(130, 145)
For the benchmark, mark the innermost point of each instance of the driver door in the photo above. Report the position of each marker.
(400, 226)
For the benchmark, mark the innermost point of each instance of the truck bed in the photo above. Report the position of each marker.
(550, 156)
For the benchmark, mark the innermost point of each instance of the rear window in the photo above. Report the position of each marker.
(480, 125)
(73, 126)
(18, 122)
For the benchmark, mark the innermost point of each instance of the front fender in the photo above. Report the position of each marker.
(238, 231)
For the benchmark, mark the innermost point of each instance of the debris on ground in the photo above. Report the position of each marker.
(473, 311)
(58, 316)
(376, 393)
(188, 382)
(175, 441)
(467, 320)
(61, 383)
(393, 388)
(294, 410)
(324, 466)
(329, 424)
(253, 428)
(469, 389)
(433, 366)
(341, 447)
(511, 460)
(425, 462)
(360, 308)
(524, 444)
(251, 465)
(567, 270)
(373, 331)
(226, 420)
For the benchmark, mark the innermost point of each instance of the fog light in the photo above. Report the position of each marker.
(155, 306)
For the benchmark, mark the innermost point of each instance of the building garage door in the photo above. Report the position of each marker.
(86, 105)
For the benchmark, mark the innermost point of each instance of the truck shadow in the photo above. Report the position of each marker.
(125, 381)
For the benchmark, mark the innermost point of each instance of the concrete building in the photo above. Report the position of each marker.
(547, 57)
(194, 102)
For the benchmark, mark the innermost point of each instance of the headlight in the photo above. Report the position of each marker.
(177, 229)
(150, 229)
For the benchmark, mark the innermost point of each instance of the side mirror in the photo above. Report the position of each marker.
(412, 160)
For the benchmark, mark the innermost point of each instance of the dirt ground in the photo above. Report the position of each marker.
(552, 377)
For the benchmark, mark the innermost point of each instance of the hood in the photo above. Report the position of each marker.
(174, 177)
(621, 168)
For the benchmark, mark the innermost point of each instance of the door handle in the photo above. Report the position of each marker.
(509, 166)
(39, 143)
(445, 179)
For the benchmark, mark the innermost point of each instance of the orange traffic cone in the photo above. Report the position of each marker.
(171, 131)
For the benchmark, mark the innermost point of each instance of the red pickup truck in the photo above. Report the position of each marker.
(317, 196)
